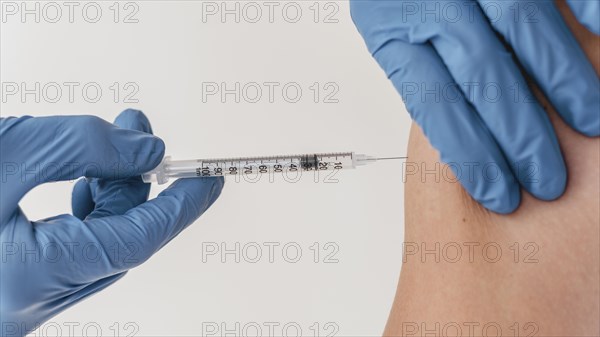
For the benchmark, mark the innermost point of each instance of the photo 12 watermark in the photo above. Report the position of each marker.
(57, 12)
(70, 92)
(286, 12)
(125, 255)
(72, 329)
(470, 252)
(269, 329)
(469, 329)
(270, 92)
(449, 92)
(270, 252)
(466, 11)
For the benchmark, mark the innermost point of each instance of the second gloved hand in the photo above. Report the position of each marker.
(464, 89)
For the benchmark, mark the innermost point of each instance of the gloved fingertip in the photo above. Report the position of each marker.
(198, 188)
(505, 203)
(587, 14)
(591, 127)
(139, 152)
(133, 120)
(150, 149)
(550, 188)
(158, 152)
(216, 189)
(82, 202)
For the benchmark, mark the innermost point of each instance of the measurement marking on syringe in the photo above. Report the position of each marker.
(271, 164)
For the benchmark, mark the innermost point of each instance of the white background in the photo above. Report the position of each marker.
(169, 53)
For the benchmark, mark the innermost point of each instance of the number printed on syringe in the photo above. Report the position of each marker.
(249, 166)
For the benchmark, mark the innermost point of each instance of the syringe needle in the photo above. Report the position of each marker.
(390, 158)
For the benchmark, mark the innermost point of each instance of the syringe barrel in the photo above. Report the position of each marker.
(251, 166)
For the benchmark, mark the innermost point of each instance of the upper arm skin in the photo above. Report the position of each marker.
(547, 278)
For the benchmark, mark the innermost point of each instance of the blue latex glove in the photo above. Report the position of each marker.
(587, 12)
(441, 63)
(51, 264)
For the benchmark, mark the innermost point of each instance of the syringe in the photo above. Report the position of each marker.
(252, 166)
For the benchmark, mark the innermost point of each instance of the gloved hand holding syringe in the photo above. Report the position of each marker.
(251, 166)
